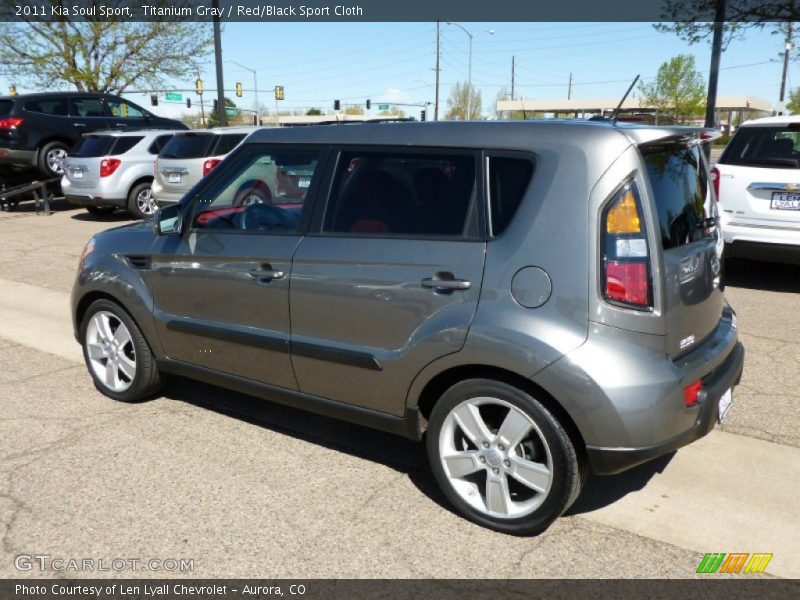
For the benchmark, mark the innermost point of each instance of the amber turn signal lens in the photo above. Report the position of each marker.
(624, 215)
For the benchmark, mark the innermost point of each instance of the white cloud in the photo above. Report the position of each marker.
(394, 95)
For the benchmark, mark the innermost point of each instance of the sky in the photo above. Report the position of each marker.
(394, 62)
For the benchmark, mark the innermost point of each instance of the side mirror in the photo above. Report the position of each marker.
(168, 220)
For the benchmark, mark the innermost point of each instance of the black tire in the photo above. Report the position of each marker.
(253, 191)
(100, 211)
(147, 379)
(133, 201)
(45, 165)
(568, 472)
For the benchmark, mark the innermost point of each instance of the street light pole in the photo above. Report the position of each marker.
(255, 87)
(218, 61)
(469, 64)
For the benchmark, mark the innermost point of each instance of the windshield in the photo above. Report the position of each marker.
(192, 145)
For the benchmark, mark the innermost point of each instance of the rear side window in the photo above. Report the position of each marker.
(86, 107)
(51, 106)
(6, 106)
(680, 186)
(123, 144)
(93, 146)
(406, 194)
(188, 146)
(158, 144)
(227, 142)
(765, 147)
(508, 180)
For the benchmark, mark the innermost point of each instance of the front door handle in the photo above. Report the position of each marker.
(445, 282)
(266, 274)
(120, 124)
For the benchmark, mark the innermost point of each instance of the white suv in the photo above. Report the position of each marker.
(757, 180)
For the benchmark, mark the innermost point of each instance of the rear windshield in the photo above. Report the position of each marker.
(680, 185)
(764, 146)
(5, 107)
(227, 142)
(188, 146)
(94, 146)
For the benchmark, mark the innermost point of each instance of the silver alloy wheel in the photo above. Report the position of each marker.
(145, 202)
(251, 199)
(496, 458)
(110, 349)
(55, 160)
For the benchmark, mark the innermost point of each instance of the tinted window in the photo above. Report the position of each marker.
(680, 185)
(187, 146)
(764, 146)
(411, 194)
(227, 142)
(264, 190)
(86, 107)
(124, 110)
(508, 180)
(5, 107)
(159, 143)
(125, 143)
(93, 146)
(50, 106)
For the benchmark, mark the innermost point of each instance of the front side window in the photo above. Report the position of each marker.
(264, 190)
(680, 185)
(386, 193)
(88, 106)
(124, 110)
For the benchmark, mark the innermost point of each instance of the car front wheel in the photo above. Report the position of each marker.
(501, 458)
(116, 353)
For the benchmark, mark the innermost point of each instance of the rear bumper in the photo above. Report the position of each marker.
(79, 200)
(607, 461)
(761, 241)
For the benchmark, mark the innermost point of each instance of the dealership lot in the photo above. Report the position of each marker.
(274, 492)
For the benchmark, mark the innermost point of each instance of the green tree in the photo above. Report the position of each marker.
(678, 91)
(464, 104)
(355, 109)
(213, 117)
(393, 111)
(313, 112)
(101, 56)
(793, 104)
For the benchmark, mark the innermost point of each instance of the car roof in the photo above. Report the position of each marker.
(495, 134)
(53, 95)
(220, 130)
(134, 132)
(772, 121)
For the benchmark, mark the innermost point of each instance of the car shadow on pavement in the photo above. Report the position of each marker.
(400, 454)
(757, 275)
(28, 205)
(116, 216)
(602, 490)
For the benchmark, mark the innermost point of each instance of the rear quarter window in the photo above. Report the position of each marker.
(52, 106)
(187, 146)
(93, 146)
(158, 144)
(777, 147)
(508, 181)
(679, 181)
(6, 106)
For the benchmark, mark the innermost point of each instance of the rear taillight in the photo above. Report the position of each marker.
(715, 182)
(210, 164)
(626, 258)
(11, 122)
(108, 166)
(691, 393)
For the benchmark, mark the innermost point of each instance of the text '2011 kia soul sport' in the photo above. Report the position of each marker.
(534, 300)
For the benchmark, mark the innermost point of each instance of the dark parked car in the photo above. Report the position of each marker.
(37, 130)
(534, 299)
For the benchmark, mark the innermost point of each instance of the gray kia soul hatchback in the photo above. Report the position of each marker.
(534, 299)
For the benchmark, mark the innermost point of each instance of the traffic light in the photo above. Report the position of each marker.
(278, 92)
(369, 103)
(422, 115)
(238, 89)
(12, 90)
(154, 99)
(188, 103)
(216, 105)
(337, 105)
(198, 87)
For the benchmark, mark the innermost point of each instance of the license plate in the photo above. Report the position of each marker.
(77, 174)
(725, 404)
(174, 178)
(782, 201)
(304, 182)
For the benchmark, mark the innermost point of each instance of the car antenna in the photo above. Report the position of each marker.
(619, 106)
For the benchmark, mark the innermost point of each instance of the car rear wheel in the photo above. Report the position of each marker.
(116, 353)
(51, 159)
(141, 203)
(501, 458)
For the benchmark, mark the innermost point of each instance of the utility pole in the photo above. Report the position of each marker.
(218, 59)
(788, 49)
(713, 75)
(438, 49)
(569, 88)
(512, 77)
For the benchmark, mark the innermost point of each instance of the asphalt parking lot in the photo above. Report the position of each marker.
(246, 489)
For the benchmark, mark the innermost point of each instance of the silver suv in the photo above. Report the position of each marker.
(533, 299)
(189, 157)
(114, 169)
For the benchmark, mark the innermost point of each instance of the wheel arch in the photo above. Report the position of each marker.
(139, 180)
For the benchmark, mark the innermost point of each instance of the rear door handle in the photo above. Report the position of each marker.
(266, 274)
(120, 124)
(445, 283)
